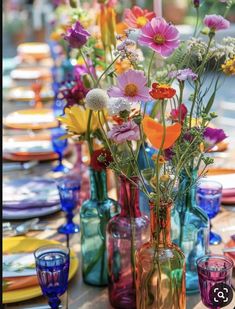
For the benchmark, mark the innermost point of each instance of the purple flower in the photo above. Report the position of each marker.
(182, 75)
(131, 86)
(76, 35)
(128, 131)
(216, 22)
(196, 3)
(160, 36)
(213, 137)
(81, 69)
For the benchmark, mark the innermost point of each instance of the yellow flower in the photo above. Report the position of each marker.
(229, 67)
(76, 119)
(201, 147)
(165, 178)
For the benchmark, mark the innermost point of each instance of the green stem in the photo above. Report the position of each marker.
(195, 30)
(193, 104)
(88, 133)
(149, 68)
(87, 66)
(105, 71)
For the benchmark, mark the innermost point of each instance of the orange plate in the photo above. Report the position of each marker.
(30, 112)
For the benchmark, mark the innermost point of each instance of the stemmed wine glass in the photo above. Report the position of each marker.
(69, 189)
(209, 194)
(59, 146)
(52, 266)
(215, 274)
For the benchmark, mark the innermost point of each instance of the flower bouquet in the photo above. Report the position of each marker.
(134, 100)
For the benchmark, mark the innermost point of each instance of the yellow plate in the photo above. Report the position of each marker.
(26, 244)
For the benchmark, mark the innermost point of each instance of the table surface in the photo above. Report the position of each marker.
(86, 297)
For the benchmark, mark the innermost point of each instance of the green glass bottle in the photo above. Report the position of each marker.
(95, 213)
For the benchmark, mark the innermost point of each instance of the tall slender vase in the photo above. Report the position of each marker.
(190, 229)
(126, 232)
(160, 266)
(95, 214)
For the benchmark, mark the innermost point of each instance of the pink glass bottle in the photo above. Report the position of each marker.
(126, 232)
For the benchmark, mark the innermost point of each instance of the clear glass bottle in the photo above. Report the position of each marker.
(191, 229)
(126, 232)
(95, 214)
(160, 266)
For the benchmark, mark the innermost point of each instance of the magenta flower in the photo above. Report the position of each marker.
(213, 137)
(216, 22)
(160, 36)
(128, 131)
(81, 69)
(76, 35)
(182, 75)
(179, 113)
(131, 86)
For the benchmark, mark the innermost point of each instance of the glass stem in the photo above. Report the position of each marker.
(54, 302)
(69, 217)
(60, 158)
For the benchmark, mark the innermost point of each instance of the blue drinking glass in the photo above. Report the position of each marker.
(59, 146)
(52, 266)
(209, 194)
(69, 196)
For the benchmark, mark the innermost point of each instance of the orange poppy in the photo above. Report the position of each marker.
(154, 132)
(162, 91)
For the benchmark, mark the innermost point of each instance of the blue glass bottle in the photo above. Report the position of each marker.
(94, 216)
(190, 228)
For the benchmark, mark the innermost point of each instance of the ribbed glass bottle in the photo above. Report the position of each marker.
(95, 214)
(160, 266)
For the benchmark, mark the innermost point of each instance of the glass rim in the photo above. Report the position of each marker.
(216, 256)
(68, 184)
(53, 247)
(203, 181)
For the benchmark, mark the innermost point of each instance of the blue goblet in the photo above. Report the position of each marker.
(59, 145)
(69, 196)
(52, 266)
(209, 194)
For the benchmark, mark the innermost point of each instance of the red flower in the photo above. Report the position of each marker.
(162, 91)
(137, 17)
(179, 114)
(101, 159)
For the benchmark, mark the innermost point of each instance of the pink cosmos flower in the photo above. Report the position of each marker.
(160, 36)
(137, 17)
(131, 86)
(128, 131)
(216, 22)
(76, 35)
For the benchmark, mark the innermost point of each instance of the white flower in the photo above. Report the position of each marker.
(96, 99)
(117, 105)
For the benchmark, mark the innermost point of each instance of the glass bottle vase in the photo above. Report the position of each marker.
(160, 266)
(190, 228)
(126, 232)
(95, 214)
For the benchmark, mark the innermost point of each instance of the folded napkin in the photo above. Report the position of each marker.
(16, 283)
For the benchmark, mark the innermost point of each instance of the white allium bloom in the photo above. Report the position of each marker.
(117, 105)
(96, 99)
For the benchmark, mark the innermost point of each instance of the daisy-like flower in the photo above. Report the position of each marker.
(216, 22)
(137, 17)
(128, 131)
(162, 91)
(76, 35)
(160, 36)
(212, 137)
(131, 86)
(182, 75)
(117, 105)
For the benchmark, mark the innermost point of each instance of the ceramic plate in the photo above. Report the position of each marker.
(26, 94)
(31, 119)
(23, 244)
